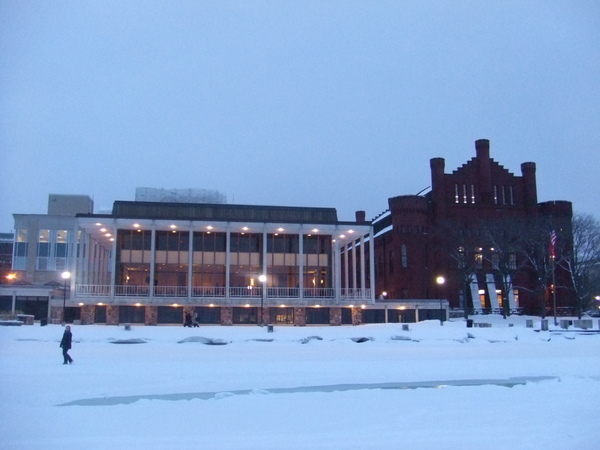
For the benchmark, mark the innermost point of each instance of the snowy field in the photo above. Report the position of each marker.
(431, 387)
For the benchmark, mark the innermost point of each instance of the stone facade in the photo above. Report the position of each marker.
(356, 316)
(335, 316)
(226, 315)
(151, 315)
(112, 315)
(299, 317)
(88, 314)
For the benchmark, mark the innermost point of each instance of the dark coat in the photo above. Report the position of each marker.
(65, 343)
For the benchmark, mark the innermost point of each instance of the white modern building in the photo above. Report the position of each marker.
(154, 262)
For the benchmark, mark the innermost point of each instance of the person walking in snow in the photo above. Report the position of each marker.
(65, 344)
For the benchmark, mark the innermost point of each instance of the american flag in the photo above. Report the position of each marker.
(552, 244)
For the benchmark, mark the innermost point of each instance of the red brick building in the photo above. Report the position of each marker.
(453, 232)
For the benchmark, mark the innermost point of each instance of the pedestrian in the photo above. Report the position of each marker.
(195, 321)
(188, 320)
(65, 344)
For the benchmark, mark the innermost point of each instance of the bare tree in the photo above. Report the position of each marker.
(540, 269)
(460, 245)
(581, 260)
(504, 243)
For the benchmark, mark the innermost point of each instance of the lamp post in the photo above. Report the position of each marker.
(263, 280)
(65, 276)
(440, 281)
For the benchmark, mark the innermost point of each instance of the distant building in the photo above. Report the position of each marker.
(6, 250)
(173, 253)
(145, 194)
(414, 237)
(155, 262)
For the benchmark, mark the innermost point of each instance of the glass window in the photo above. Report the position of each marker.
(60, 249)
(44, 243)
(404, 255)
(21, 243)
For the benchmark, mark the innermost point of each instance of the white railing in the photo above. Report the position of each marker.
(205, 291)
(92, 290)
(170, 291)
(319, 293)
(134, 291)
(283, 292)
(356, 293)
(101, 290)
(248, 291)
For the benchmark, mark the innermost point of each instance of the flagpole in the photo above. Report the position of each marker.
(553, 258)
(554, 290)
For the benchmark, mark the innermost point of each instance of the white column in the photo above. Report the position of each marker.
(113, 261)
(363, 278)
(372, 265)
(337, 255)
(301, 265)
(354, 264)
(152, 258)
(263, 268)
(346, 264)
(190, 260)
(72, 260)
(227, 260)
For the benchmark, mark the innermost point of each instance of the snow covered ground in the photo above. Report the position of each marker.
(431, 387)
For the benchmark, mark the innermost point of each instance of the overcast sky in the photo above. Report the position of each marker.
(298, 103)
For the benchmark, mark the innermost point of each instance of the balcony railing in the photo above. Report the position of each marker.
(133, 291)
(208, 292)
(248, 291)
(204, 291)
(170, 291)
(283, 292)
(92, 290)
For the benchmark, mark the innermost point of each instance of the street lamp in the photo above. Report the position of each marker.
(65, 276)
(440, 281)
(263, 280)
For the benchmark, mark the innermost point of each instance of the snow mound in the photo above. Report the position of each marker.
(306, 340)
(129, 341)
(203, 340)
